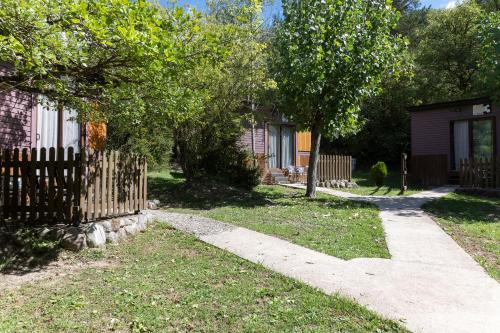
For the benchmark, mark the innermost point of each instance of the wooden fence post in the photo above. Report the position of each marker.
(109, 203)
(68, 207)
(15, 184)
(24, 184)
(145, 204)
(404, 173)
(33, 185)
(59, 177)
(6, 184)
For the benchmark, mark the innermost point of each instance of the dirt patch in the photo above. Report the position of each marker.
(53, 271)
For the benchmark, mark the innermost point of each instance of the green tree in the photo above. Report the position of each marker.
(235, 80)
(490, 5)
(385, 121)
(331, 55)
(76, 51)
(449, 54)
(490, 69)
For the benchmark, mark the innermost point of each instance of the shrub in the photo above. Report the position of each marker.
(244, 173)
(378, 172)
(211, 148)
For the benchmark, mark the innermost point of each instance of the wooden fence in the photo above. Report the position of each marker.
(429, 170)
(64, 187)
(482, 173)
(334, 167)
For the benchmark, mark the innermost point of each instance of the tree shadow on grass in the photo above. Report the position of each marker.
(25, 251)
(466, 209)
(210, 194)
(204, 194)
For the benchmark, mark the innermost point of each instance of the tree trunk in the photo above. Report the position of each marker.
(313, 161)
(182, 153)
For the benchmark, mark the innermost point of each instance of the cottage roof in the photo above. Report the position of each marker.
(450, 104)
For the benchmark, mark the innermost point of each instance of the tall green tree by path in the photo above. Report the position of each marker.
(331, 55)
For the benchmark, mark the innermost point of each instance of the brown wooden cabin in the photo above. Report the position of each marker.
(277, 143)
(444, 133)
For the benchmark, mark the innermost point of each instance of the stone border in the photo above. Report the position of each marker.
(337, 184)
(97, 234)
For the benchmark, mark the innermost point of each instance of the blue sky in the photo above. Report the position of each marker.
(276, 7)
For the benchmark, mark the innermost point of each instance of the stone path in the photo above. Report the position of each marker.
(429, 283)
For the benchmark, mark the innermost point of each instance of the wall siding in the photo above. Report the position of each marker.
(246, 139)
(17, 122)
(16, 119)
(430, 129)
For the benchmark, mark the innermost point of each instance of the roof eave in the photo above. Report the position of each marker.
(446, 105)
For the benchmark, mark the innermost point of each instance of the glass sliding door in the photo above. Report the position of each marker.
(274, 146)
(461, 141)
(287, 146)
(482, 138)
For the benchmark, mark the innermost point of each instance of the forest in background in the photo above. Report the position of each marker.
(444, 62)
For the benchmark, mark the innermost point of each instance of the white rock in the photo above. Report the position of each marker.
(73, 239)
(141, 226)
(131, 229)
(142, 222)
(149, 218)
(96, 236)
(153, 204)
(45, 232)
(112, 237)
(126, 221)
(115, 225)
(107, 226)
(121, 235)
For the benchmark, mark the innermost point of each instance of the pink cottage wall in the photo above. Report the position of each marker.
(430, 128)
(17, 120)
(259, 137)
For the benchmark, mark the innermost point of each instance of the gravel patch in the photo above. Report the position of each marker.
(193, 224)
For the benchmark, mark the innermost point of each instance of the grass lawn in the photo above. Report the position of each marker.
(474, 222)
(334, 226)
(166, 281)
(391, 186)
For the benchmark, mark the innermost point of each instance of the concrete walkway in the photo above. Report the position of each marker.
(430, 283)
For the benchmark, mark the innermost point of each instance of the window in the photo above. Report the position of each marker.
(472, 138)
(482, 138)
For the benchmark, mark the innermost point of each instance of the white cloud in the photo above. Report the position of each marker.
(451, 4)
